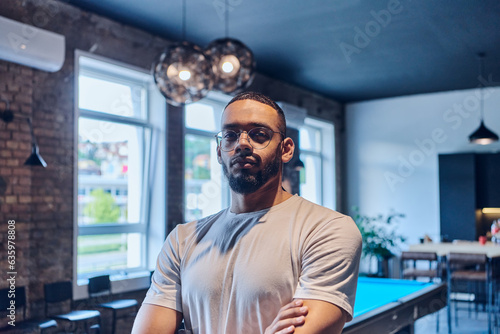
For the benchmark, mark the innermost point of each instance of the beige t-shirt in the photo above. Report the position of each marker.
(231, 273)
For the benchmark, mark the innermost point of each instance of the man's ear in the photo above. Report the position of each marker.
(287, 149)
(219, 159)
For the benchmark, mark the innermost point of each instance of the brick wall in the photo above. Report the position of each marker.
(40, 200)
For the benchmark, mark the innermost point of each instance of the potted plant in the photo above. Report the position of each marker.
(379, 238)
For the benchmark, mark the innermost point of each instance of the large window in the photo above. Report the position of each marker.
(206, 191)
(113, 167)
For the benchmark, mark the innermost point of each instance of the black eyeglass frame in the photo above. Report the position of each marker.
(218, 138)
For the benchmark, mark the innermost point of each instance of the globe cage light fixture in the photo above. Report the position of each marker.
(233, 64)
(233, 61)
(183, 72)
(483, 135)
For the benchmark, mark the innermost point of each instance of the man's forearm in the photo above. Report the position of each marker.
(153, 319)
(322, 318)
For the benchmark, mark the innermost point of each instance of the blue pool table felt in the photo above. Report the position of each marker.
(376, 292)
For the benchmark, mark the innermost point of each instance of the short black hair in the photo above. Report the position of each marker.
(265, 100)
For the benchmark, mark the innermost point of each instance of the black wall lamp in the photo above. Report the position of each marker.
(34, 159)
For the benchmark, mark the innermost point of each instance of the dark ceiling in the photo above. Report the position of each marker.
(348, 50)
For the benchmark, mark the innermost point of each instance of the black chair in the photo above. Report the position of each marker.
(22, 325)
(433, 271)
(59, 295)
(475, 268)
(100, 287)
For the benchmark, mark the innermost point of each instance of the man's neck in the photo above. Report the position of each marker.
(270, 194)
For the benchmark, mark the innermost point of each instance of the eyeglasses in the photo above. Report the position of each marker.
(259, 138)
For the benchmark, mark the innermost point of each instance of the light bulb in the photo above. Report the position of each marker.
(227, 67)
(184, 75)
(483, 141)
(230, 65)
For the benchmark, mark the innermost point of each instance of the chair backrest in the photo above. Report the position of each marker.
(18, 295)
(418, 256)
(467, 258)
(99, 285)
(58, 292)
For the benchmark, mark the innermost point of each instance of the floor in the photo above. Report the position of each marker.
(466, 324)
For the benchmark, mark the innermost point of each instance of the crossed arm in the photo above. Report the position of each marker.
(300, 316)
(308, 316)
(153, 319)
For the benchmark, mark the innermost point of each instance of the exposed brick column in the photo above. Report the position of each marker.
(175, 166)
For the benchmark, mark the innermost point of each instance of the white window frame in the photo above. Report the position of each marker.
(326, 155)
(218, 101)
(153, 168)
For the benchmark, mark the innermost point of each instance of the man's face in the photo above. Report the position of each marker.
(246, 168)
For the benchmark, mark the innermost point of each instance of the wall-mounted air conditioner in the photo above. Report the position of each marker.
(31, 46)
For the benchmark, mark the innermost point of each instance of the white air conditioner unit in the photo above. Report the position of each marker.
(294, 115)
(27, 45)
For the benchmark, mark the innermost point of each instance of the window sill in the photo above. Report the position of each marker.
(120, 283)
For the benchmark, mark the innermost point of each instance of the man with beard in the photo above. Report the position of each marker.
(272, 262)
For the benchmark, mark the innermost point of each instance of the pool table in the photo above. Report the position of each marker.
(391, 306)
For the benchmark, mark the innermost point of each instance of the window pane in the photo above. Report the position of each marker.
(203, 177)
(104, 252)
(200, 116)
(111, 97)
(310, 139)
(110, 179)
(310, 178)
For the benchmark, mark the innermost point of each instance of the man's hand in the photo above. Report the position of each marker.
(291, 315)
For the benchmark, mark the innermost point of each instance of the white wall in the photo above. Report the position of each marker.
(392, 148)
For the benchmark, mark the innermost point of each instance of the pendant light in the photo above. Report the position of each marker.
(483, 135)
(183, 73)
(233, 62)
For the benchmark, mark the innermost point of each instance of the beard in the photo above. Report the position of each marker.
(246, 182)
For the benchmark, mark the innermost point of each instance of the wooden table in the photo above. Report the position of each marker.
(491, 249)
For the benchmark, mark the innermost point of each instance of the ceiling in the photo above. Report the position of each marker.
(348, 50)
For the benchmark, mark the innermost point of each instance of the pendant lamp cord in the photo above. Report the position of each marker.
(226, 8)
(183, 20)
(481, 73)
(33, 138)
